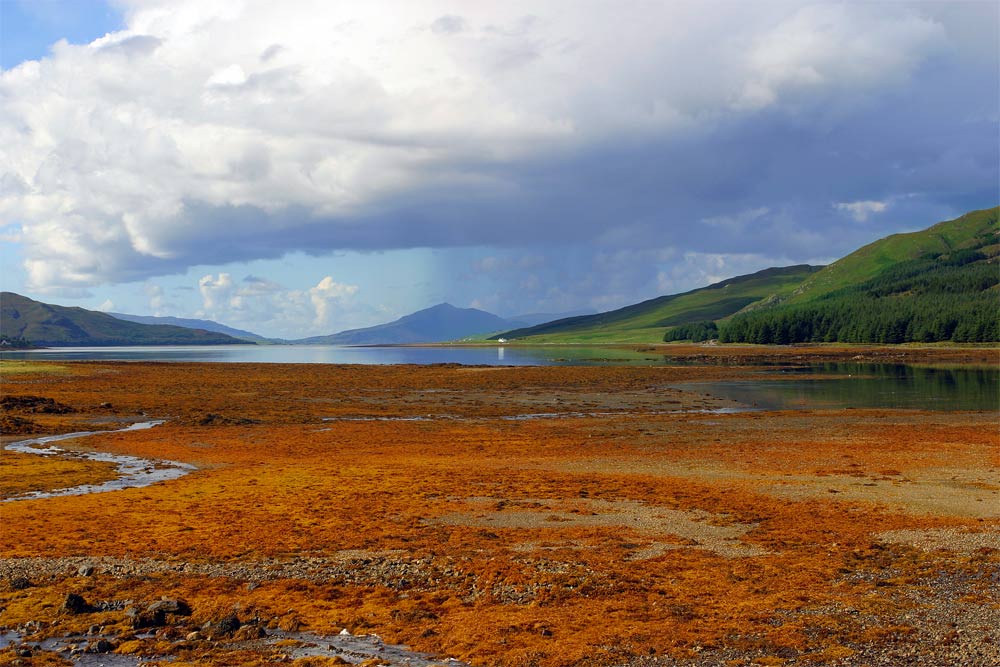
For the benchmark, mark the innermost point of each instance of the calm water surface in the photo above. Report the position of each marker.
(336, 354)
(839, 385)
(814, 386)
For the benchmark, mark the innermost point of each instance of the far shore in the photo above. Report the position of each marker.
(910, 352)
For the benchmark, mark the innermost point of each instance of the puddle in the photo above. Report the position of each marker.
(132, 471)
(357, 648)
(352, 649)
(71, 649)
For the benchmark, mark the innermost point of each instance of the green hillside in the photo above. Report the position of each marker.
(645, 322)
(871, 260)
(43, 324)
(940, 284)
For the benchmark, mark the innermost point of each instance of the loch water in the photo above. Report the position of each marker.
(780, 386)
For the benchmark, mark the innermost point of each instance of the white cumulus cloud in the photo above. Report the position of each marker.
(260, 304)
(327, 295)
(862, 210)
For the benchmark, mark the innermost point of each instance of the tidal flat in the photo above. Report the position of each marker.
(547, 516)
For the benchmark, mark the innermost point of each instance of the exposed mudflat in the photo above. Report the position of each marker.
(522, 516)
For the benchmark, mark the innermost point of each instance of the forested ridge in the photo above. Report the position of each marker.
(946, 289)
(938, 297)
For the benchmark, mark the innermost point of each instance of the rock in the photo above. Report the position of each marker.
(212, 419)
(85, 570)
(101, 646)
(135, 618)
(170, 633)
(106, 406)
(35, 404)
(177, 607)
(250, 632)
(13, 425)
(290, 624)
(140, 618)
(75, 604)
(157, 614)
(225, 626)
(192, 636)
(19, 583)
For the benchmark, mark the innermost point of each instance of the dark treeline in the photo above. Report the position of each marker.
(14, 343)
(926, 319)
(950, 297)
(696, 331)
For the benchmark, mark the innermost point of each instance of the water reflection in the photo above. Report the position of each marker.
(858, 385)
(334, 354)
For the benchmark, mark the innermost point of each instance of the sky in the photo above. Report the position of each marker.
(304, 167)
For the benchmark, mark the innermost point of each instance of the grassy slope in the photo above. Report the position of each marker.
(645, 322)
(872, 259)
(45, 324)
(923, 286)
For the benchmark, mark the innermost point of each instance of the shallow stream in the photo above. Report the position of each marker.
(132, 471)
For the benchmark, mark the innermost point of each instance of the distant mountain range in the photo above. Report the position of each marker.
(48, 325)
(40, 324)
(187, 323)
(443, 322)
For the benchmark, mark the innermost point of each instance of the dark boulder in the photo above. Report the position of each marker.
(157, 614)
(177, 607)
(101, 646)
(75, 604)
(224, 626)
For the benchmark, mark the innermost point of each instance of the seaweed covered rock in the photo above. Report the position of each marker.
(35, 404)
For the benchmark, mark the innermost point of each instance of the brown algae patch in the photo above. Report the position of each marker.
(27, 473)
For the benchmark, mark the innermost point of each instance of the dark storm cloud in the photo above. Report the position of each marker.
(789, 132)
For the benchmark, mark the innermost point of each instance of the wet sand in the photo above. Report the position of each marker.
(628, 521)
